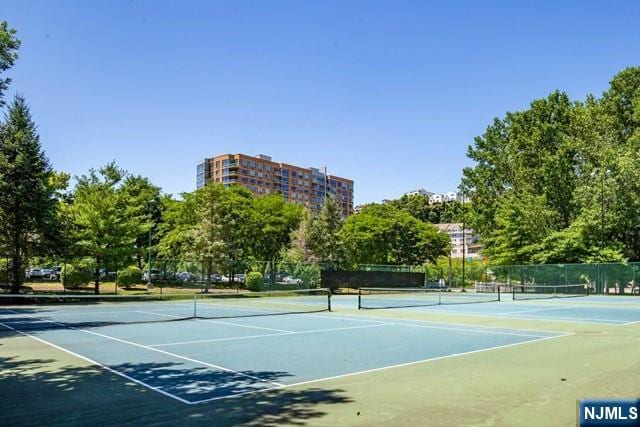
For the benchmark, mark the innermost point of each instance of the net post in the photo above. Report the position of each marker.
(498, 293)
(329, 298)
(359, 299)
(195, 314)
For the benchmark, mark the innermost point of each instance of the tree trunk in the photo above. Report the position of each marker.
(16, 268)
(209, 268)
(96, 278)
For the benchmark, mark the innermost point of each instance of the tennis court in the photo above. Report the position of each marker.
(544, 304)
(232, 346)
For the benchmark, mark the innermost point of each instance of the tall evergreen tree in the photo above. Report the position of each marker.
(28, 204)
(324, 238)
(207, 242)
(9, 45)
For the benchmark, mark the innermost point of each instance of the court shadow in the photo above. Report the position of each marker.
(38, 391)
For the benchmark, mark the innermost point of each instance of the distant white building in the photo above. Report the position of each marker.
(436, 198)
(472, 246)
(419, 192)
(450, 196)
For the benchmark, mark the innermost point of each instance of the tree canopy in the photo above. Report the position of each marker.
(559, 181)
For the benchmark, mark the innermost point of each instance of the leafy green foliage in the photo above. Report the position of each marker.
(547, 179)
(381, 234)
(131, 275)
(175, 232)
(254, 281)
(9, 46)
(273, 221)
(28, 214)
(107, 221)
(139, 191)
(418, 206)
(77, 274)
(324, 235)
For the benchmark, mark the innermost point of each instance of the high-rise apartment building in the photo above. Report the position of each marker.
(261, 175)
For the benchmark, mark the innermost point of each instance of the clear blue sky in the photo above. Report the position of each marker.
(388, 93)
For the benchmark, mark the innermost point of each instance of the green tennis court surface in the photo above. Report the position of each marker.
(284, 358)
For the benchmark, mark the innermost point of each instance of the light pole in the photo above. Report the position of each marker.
(149, 284)
(602, 214)
(464, 238)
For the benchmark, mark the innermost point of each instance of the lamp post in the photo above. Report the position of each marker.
(602, 213)
(603, 174)
(464, 241)
(149, 284)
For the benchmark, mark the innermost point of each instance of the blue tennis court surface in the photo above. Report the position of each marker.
(200, 360)
(605, 309)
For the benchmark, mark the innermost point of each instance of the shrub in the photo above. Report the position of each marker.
(78, 274)
(131, 275)
(254, 281)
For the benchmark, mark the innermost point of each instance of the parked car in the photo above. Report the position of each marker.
(46, 273)
(186, 277)
(290, 280)
(34, 273)
(155, 275)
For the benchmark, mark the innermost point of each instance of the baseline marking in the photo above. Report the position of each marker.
(98, 364)
(271, 335)
(189, 359)
(385, 368)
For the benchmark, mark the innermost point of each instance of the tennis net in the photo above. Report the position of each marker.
(529, 292)
(380, 298)
(50, 311)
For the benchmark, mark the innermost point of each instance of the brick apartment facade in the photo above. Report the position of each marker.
(261, 175)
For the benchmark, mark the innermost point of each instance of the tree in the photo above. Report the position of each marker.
(418, 206)
(272, 221)
(106, 221)
(9, 46)
(175, 232)
(300, 250)
(140, 192)
(381, 234)
(324, 236)
(574, 163)
(235, 228)
(207, 243)
(28, 214)
(522, 222)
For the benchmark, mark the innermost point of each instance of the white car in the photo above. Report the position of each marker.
(290, 280)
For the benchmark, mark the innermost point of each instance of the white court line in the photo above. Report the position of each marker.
(146, 347)
(507, 315)
(399, 365)
(562, 307)
(222, 322)
(361, 318)
(271, 335)
(432, 311)
(93, 362)
(471, 330)
(631, 323)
